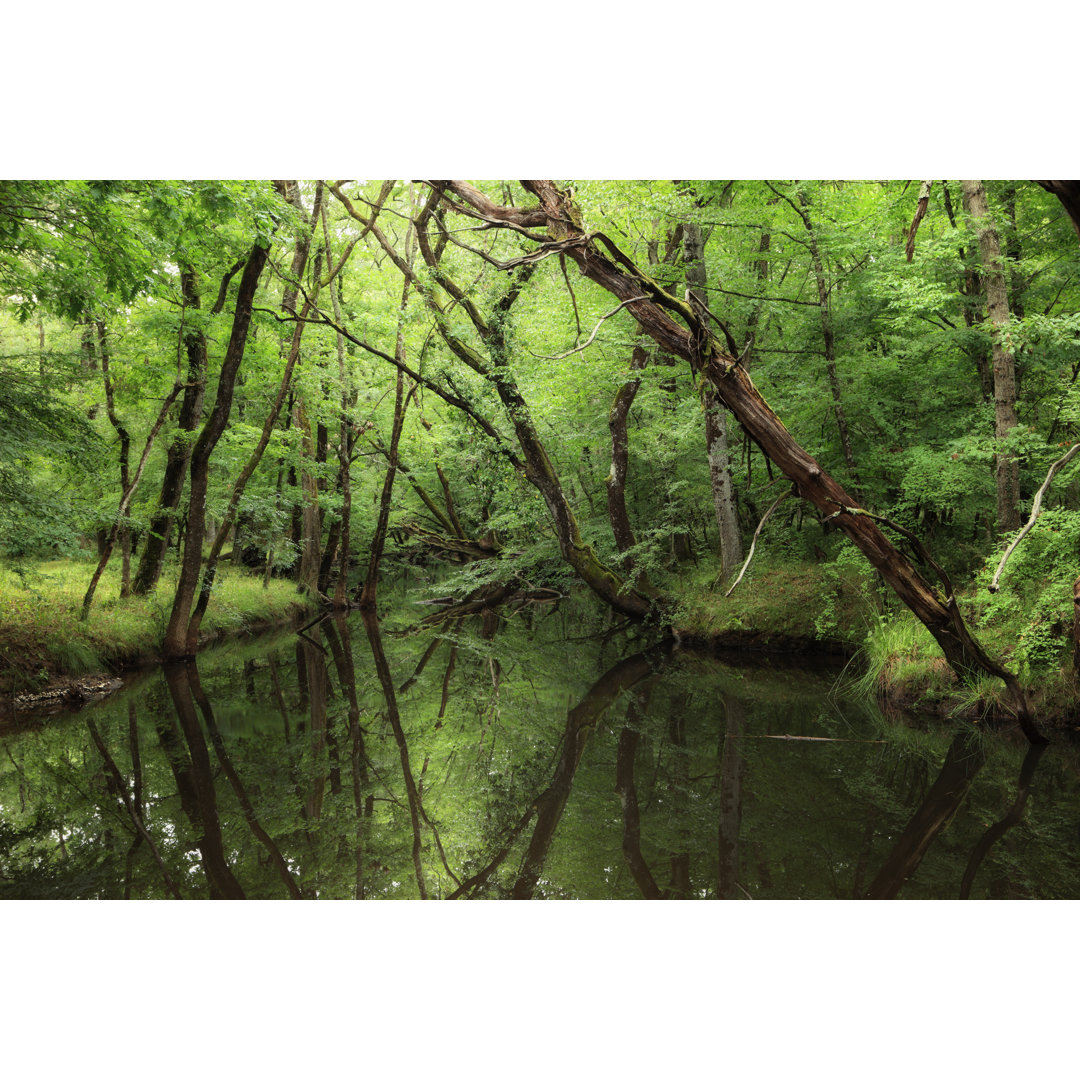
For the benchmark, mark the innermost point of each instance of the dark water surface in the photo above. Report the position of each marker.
(521, 755)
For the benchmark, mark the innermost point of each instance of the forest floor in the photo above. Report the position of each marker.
(45, 651)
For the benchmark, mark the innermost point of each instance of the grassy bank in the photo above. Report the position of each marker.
(901, 664)
(42, 639)
(841, 607)
(781, 606)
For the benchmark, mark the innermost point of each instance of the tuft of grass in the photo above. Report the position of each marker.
(901, 661)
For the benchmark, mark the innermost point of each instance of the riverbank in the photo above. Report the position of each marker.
(826, 610)
(841, 610)
(46, 651)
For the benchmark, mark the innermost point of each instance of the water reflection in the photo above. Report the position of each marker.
(502, 756)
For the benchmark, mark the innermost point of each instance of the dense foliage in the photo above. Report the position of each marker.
(880, 364)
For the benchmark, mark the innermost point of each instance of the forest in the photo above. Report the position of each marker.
(536, 387)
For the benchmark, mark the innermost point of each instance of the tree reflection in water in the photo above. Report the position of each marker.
(501, 759)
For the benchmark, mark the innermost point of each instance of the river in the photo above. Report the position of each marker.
(533, 753)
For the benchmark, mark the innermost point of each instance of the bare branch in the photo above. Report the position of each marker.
(920, 211)
(757, 533)
(1036, 510)
(596, 329)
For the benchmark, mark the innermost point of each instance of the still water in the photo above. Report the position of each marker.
(527, 754)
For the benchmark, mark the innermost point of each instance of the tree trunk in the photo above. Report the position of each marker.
(368, 591)
(620, 456)
(178, 641)
(1007, 468)
(310, 515)
(970, 304)
(716, 437)
(125, 459)
(156, 542)
(1076, 626)
(345, 443)
(920, 213)
(829, 338)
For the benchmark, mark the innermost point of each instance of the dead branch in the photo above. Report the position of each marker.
(596, 329)
(920, 211)
(1036, 510)
(757, 533)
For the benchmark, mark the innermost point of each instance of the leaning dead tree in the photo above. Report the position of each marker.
(679, 329)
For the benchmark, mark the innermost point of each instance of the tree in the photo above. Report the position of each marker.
(180, 641)
(1006, 469)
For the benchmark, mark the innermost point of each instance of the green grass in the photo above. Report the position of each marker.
(41, 636)
(901, 659)
(817, 602)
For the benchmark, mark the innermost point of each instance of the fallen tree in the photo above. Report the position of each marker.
(679, 329)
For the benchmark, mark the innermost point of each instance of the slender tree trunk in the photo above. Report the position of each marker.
(970, 305)
(178, 641)
(125, 462)
(156, 541)
(716, 436)
(107, 542)
(368, 591)
(1007, 467)
(310, 516)
(1013, 254)
(620, 457)
(345, 441)
(920, 213)
(829, 338)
